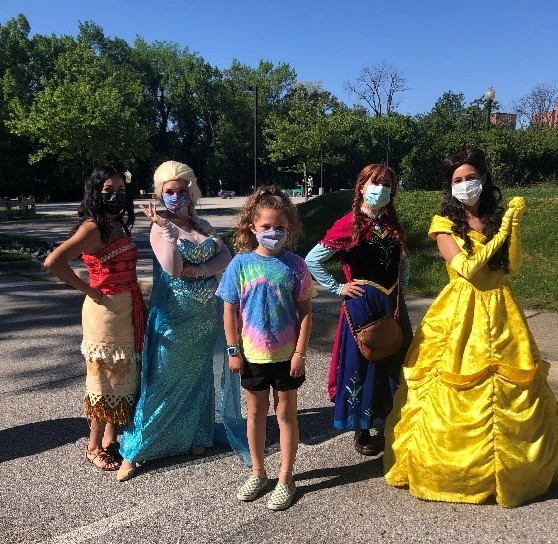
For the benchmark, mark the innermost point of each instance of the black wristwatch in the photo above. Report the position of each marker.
(233, 350)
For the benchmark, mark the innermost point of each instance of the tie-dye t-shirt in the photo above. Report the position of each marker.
(267, 290)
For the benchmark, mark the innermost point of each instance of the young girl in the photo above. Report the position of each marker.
(113, 314)
(267, 294)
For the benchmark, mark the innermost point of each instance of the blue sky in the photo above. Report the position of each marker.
(438, 45)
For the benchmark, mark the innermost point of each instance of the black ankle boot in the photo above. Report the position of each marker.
(366, 444)
(362, 442)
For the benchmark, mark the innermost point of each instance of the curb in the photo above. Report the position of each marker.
(30, 265)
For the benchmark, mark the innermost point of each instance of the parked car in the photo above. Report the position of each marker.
(294, 192)
(226, 193)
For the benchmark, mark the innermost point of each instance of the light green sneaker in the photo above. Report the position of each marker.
(281, 497)
(251, 487)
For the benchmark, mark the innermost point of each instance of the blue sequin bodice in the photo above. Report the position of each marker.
(201, 288)
(193, 253)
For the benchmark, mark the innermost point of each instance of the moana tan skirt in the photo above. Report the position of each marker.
(112, 363)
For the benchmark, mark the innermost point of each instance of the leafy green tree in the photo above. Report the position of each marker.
(477, 113)
(159, 64)
(304, 133)
(196, 99)
(448, 113)
(234, 158)
(352, 148)
(522, 157)
(15, 54)
(181, 101)
(85, 114)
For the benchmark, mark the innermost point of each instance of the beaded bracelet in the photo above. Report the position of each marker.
(300, 354)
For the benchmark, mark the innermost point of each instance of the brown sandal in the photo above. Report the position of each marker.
(102, 460)
(113, 449)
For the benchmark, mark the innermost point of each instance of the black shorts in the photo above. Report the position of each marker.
(260, 377)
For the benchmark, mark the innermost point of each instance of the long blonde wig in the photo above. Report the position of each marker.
(174, 170)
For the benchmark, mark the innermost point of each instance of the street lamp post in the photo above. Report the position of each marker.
(254, 89)
(321, 192)
(470, 114)
(489, 96)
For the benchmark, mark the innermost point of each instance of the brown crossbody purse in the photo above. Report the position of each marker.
(380, 338)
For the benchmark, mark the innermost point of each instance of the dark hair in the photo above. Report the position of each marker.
(390, 221)
(91, 207)
(265, 197)
(489, 211)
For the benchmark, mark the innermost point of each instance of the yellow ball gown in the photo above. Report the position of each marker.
(474, 415)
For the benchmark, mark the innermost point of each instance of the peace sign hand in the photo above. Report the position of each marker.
(151, 212)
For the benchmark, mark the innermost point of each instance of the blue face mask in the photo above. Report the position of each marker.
(272, 240)
(177, 204)
(377, 196)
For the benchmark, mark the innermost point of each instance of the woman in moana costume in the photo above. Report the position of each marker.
(113, 314)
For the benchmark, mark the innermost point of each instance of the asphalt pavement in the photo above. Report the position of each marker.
(48, 494)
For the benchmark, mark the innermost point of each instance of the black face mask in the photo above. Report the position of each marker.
(113, 203)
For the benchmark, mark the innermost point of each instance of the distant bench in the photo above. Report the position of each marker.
(13, 207)
(144, 194)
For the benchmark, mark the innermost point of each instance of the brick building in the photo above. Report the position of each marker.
(546, 118)
(503, 120)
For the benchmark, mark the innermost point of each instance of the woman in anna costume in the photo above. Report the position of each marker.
(113, 314)
(370, 243)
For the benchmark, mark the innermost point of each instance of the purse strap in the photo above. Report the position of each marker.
(349, 320)
(395, 313)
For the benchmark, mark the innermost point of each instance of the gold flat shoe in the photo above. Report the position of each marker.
(197, 450)
(124, 474)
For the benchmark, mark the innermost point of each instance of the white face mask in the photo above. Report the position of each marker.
(377, 196)
(467, 192)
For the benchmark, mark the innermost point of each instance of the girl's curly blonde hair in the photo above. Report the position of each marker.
(265, 197)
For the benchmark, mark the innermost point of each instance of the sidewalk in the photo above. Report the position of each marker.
(50, 495)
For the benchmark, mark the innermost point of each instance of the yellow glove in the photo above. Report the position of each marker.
(468, 265)
(507, 219)
(514, 247)
(518, 204)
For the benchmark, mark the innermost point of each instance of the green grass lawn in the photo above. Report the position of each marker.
(12, 256)
(537, 283)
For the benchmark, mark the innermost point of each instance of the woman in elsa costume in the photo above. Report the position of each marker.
(187, 402)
